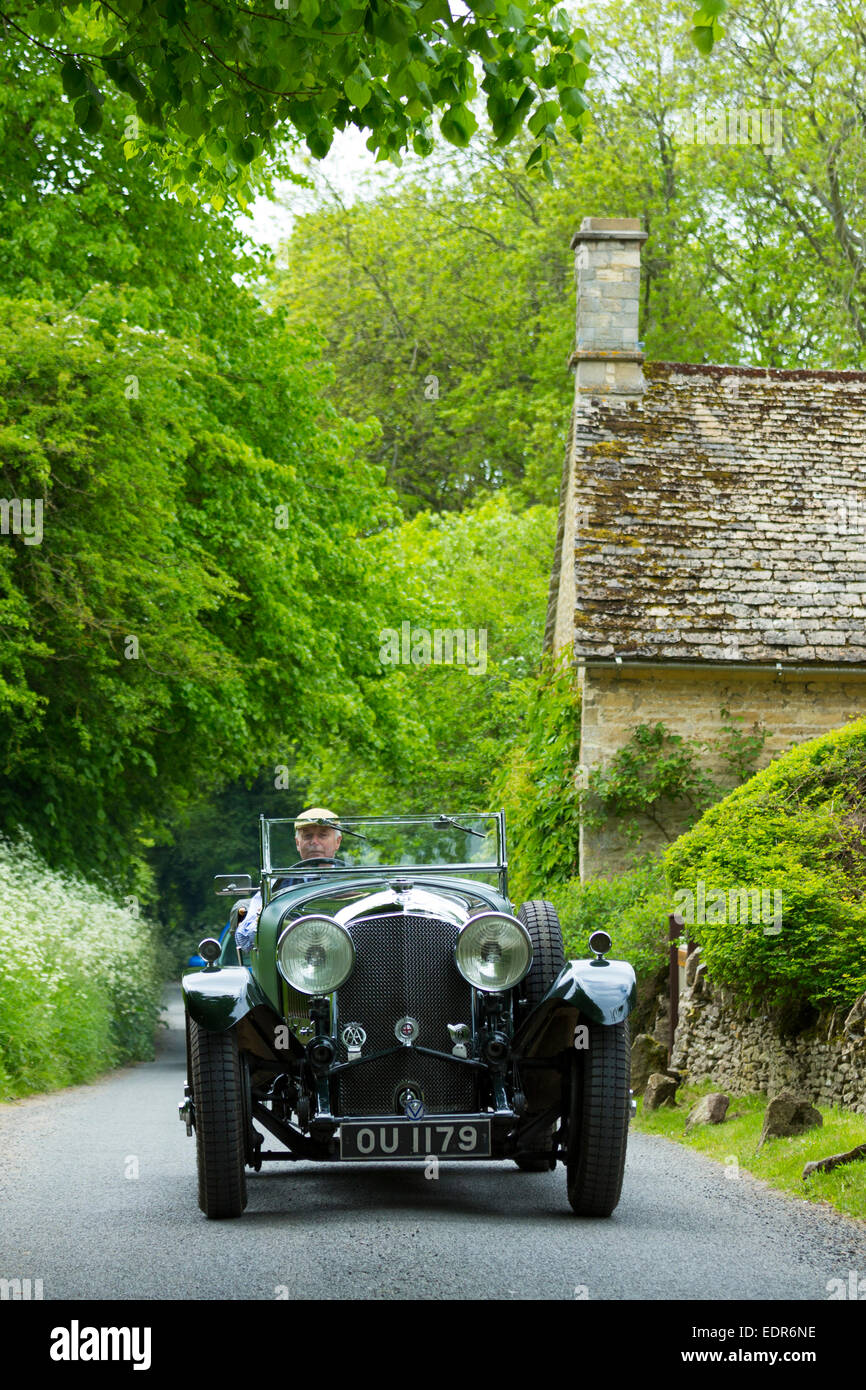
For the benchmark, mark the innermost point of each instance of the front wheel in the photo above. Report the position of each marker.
(598, 1115)
(217, 1092)
(548, 954)
(548, 960)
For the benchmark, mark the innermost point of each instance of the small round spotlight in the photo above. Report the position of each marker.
(600, 943)
(209, 949)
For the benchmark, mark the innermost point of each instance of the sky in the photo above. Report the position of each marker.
(349, 167)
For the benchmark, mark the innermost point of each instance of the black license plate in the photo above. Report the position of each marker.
(433, 1138)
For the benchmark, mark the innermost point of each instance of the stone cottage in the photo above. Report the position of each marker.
(711, 548)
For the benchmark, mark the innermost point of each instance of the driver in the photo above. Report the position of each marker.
(316, 837)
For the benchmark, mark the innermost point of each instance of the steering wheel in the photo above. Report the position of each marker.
(301, 863)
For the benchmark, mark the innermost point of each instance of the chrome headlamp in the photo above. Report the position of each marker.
(493, 952)
(315, 954)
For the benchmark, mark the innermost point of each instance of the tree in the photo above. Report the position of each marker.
(444, 309)
(84, 225)
(192, 607)
(218, 84)
(482, 573)
(446, 300)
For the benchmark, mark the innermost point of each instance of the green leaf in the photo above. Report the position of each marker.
(191, 120)
(457, 125)
(544, 115)
(74, 79)
(431, 11)
(319, 142)
(245, 151)
(573, 102)
(358, 93)
(702, 38)
(88, 115)
(479, 39)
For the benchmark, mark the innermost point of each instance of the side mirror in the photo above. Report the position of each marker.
(232, 885)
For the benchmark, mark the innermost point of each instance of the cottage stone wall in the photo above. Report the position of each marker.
(793, 707)
(711, 538)
(741, 1051)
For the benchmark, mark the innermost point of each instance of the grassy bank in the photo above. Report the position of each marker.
(780, 1162)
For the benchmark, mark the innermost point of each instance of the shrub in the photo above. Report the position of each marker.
(79, 977)
(633, 907)
(799, 828)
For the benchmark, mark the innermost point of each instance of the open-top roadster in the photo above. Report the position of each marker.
(394, 1007)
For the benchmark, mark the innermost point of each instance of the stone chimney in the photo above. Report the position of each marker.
(607, 358)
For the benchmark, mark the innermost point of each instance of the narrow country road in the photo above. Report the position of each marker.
(98, 1194)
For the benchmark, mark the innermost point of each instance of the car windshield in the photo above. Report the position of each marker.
(399, 842)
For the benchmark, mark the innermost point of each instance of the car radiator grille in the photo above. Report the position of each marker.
(404, 966)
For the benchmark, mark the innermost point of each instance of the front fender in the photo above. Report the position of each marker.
(217, 999)
(599, 991)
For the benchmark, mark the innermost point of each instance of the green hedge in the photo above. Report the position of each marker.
(633, 907)
(79, 977)
(797, 828)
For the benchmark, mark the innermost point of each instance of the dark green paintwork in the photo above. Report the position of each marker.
(216, 999)
(314, 897)
(601, 992)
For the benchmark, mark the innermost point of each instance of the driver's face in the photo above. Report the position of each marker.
(317, 841)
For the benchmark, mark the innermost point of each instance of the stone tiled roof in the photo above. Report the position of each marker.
(723, 518)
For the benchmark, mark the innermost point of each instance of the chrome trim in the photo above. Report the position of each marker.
(413, 902)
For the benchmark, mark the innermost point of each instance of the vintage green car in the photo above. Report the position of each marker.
(393, 1007)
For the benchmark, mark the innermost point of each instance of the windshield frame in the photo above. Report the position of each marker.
(499, 865)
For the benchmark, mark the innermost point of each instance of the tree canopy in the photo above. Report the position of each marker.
(446, 299)
(217, 84)
(198, 599)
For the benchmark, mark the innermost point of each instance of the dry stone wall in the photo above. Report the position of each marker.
(741, 1051)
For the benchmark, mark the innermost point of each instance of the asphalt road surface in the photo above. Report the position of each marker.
(98, 1200)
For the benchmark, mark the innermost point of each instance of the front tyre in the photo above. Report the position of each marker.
(541, 920)
(217, 1089)
(548, 954)
(598, 1115)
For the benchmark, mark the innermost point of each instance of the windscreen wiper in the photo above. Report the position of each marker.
(344, 830)
(444, 821)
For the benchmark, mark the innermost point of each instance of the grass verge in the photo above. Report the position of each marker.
(780, 1162)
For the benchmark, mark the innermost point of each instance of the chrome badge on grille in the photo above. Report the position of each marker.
(406, 1030)
(409, 1100)
(353, 1037)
